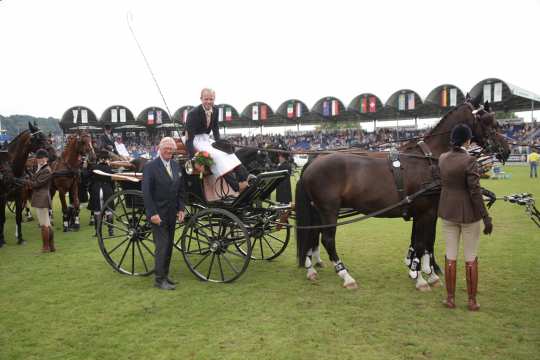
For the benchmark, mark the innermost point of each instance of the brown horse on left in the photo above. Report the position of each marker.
(18, 150)
(66, 176)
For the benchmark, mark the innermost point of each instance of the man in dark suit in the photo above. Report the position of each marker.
(106, 140)
(163, 193)
(202, 120)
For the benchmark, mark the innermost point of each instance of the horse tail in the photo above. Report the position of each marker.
(306, 215)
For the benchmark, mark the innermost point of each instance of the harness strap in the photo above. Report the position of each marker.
(395, 166)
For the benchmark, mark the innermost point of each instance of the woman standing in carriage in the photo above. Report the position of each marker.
(202, 120)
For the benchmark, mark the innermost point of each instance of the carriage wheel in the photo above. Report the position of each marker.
(11, 206)
(268, 238)
(190, 210)
(216, 245)
(125, 238)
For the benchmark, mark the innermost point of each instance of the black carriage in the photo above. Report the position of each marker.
(217, 239)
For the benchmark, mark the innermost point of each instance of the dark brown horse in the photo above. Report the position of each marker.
(66, 175)
(18, 149)
(370, 182)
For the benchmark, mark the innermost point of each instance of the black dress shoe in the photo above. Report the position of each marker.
(168, 279)
(164, 285)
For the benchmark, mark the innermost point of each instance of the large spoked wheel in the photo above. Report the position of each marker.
(125, 235)
(269, 238)
(216, 246)
(190, 210)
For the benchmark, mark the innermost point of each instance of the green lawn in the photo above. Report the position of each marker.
(72, 305)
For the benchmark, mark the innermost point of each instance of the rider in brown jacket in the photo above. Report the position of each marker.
(41, 199)
(461, 209)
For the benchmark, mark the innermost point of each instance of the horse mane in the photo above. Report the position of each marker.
(15, 140)
(412, 143)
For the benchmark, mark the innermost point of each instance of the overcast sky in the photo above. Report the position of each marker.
(56, 54)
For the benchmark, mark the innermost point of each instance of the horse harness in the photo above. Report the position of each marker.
(397, 172)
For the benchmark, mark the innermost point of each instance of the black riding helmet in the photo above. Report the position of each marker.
(42, 153)
(460, 134)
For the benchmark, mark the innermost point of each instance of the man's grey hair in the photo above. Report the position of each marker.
(167, 141)
(211, 91)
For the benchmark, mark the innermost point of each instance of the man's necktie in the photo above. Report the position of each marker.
(168, 168)
(208, 118)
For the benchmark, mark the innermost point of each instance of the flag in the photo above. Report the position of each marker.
(290, 110)
(84, 116)
(150, 118)
(255, 112)
(220, 114)
(453, 97)
(264, 111)
(372, 104)
(497, 92)
(401, 102)
(363, 104)
(326, 108)
(228, 114)
(444, 102)
(411, 103)
(114, 115)
(184, 116)
(159, 118)
(335, 108)
(123, 115)
(487, 92)
(75, 113)
(298, 109)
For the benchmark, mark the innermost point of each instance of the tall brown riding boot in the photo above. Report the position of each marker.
(450, 280)
(45, 238)
(471, 272)
(51, 239)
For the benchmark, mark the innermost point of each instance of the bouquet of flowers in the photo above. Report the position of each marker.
(202, 161)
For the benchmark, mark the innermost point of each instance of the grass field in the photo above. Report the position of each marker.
(72, 305)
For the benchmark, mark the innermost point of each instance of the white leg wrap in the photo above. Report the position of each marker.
(426, 267)
(433, 279)
(308, 264)
(77, 220)
(316, 255)
(348, 280)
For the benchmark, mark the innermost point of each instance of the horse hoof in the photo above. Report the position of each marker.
(423, 288)
(21, 242)
(351, 286)
(319, 264)
(312, 277)
(436, 284)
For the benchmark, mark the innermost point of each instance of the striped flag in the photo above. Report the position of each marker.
(453, 97)
(114, 115)
(264, 112)
(411, 102)
(487, 92)
(75, 113)
(228, 114)
(372, 104)
(335, 108)
(363, 105)
(84, 116)
(497, 92)
(184, 116)
(401, 102)
(255, 112)
(220, 114)
(444, 102)
(123, 115)
(326, 108)
(298, 109)
(150, 119)
(290, 110)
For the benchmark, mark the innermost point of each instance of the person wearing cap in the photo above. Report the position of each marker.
(106, 140)
(41, 199)
(462, 210)
(101, 189)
